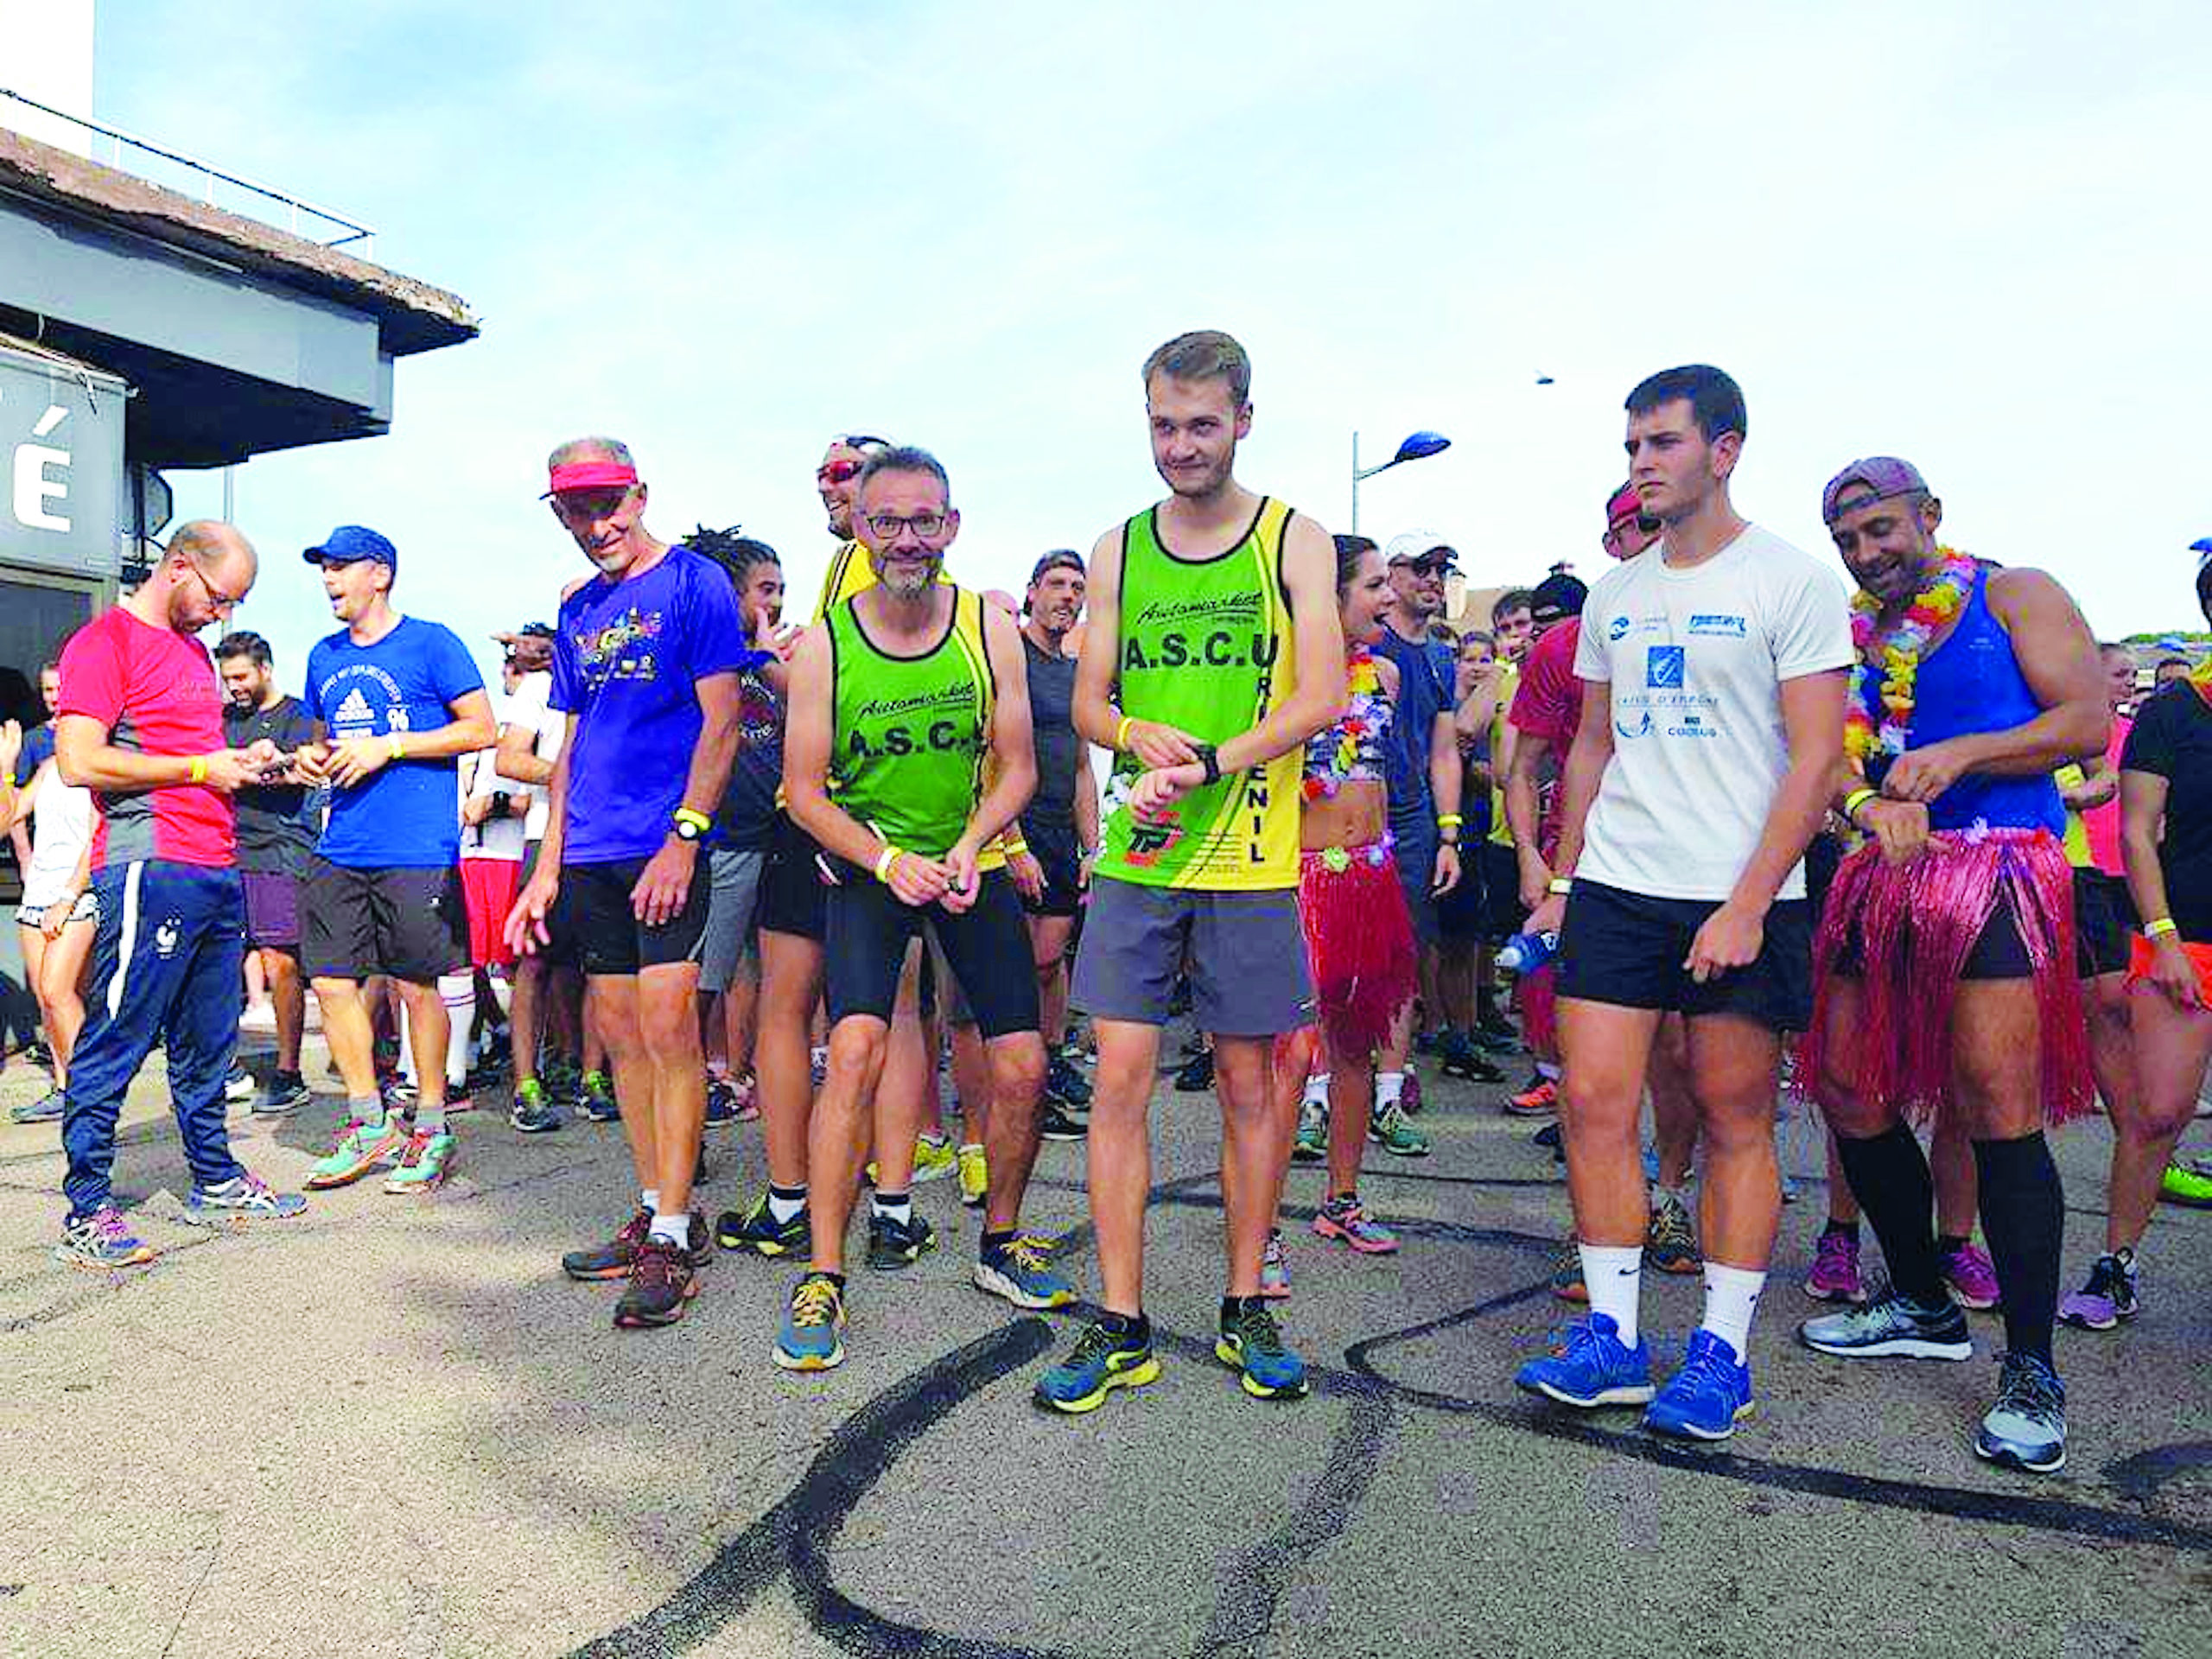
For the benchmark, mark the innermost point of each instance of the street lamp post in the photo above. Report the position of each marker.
(1418, 446)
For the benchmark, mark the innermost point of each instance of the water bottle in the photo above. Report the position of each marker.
(1525, 953)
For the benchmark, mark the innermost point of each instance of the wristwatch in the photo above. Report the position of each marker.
(1209, 761)
(689, 825)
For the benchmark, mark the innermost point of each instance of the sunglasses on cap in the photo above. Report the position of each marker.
(845, 468)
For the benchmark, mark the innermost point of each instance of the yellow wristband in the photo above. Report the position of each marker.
(398, 749)
(2158, 927)
(1449, 820)
(198, 770)
(1560, 883)
(1857, 798)
(1121, 731)
(884, 862)
(698, 821)
(1010, 848)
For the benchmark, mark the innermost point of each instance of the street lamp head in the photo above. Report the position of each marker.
(1420, 446)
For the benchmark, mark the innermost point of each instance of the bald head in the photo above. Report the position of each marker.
(218, 549)
(203, 576)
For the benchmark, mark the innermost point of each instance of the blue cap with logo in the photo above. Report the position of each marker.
(350, 544)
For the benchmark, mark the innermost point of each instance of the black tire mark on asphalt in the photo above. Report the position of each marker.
(2141, 1476)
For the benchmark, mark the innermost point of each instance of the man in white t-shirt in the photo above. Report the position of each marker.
(1713, 667)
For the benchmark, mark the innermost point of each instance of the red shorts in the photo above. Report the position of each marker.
(489, 887)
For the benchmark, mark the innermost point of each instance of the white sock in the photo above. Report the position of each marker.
(503, 994)
(1389, 1085)
(649, 1199)
(1317, 1089)
(1614, 1276)
(673, 1227)
(1548, 1070)
(900, 1208)
(1731, 1295)
(406, 1046)
(458, 993)
(781, 1210)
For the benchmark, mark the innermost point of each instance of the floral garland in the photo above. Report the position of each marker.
(1364, 682)
(1898, 652)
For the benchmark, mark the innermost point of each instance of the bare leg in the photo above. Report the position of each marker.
(1599, 1106)
(1254, 1153)
(346, 1027)
(837, 1138)
(1351, 1103)
(1674, 1106)
(909, 1080)
(1119, 1157)
(1016, 1067)
(429, 1029)
(791, 982)
(287, 995)
(61, 995)
(1735, 1066)
(2171, 1047)
(612, 1011)
(676, 1075)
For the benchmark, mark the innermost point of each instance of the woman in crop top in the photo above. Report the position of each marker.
(53, 921)
(1359, 939)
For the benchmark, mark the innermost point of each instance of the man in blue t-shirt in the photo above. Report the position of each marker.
(399, 700)
(646, 663)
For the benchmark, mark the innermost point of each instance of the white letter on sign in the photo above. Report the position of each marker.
(33, 489)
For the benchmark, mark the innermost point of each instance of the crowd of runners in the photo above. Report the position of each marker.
(1728, 833)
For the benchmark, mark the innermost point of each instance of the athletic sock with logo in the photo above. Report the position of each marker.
(1732, 1296)
(1614, 1275)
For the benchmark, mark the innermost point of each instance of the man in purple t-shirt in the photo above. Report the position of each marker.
(646, 663)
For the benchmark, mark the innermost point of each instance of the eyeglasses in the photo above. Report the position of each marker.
(887, 526)
(223, 603)
(1431, 566)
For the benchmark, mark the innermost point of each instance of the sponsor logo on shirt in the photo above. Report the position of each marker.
(1693, 726)
(1618, 628)
(1731, 627)
(1663, 667)
(354, 717)
(622, 650)
(1642, 728)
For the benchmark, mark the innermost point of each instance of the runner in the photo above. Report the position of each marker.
(400, 700)
(55, 917)
(1213, 621)
(2165, 788)
(274, 843)
(1462, 915)
(36, 749)
(644, 670)
(1945, 968)
(495, 812)
(1359, 940)
(140, 724)
(1059, 826)
(901, 702)
(1712, 698)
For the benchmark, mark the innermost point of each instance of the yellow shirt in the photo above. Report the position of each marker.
(1509, 680)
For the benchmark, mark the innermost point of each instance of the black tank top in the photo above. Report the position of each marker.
(1051, 712)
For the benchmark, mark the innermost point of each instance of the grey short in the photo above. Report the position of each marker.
(1247, 956)
(734, 886)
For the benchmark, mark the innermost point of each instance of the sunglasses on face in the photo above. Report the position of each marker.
(1428, 567)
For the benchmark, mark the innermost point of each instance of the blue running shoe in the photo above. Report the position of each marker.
(1252, 1344)
(1102, 1361)
(103, 1241)
(809, 1340)
(1707, 1397)
(48, 1108)
(2026, 1428)
(1589, 1366)
(1020, 1274)
(242, 1198)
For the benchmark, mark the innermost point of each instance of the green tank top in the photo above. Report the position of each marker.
(907, 753)
(1205, 645)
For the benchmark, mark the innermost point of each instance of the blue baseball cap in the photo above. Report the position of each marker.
(2203, 544)
(350, 544)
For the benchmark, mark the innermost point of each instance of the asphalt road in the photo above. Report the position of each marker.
(391, 1427)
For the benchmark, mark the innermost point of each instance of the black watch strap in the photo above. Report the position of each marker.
(1209, 761)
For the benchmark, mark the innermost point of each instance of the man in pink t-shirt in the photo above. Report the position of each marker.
(141, 725)
(2102, 822)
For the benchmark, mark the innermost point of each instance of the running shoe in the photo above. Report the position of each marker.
(286, 1093)
(1251, 1343)
(974, 1177)
(1390, 1131)
(1409, 1093)
(1706, 1398)
(423, 1163)
(1065, 1083)
(361, 1146)
(662, 1281)
(809, 1340)
(1539, 1098)
(595, 1098)
(1019, 1273)
(1893, 1327)
(1196, 1077)
(40, 1056)
(2026, 1428)
(1669, 1241)
(1834, 1277)
(532, 1111)
(1589, 1366)
(1101, 1361)
(1054, 1124)
(1549, 1136)
(613, 1259)
(1567, 1283)
(2109, 1297)
(1461, 1058)
(1342, 1217)
(893, 1244)
(934, 1157)
(1971, 1277)
(759, 1231)
(242, 1198)
(1494, 1032)
(2189, 1184)
(1312, 1146)
(1275, 1271)
(722, 1101)
(239, 1085)
(47, 1108)
(103, 1241)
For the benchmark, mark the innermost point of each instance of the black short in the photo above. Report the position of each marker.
(1463, 912)
(592, 920)
(1501, 892)
(791, 883)
(2103, 918)
(986, 947)
(410, 924)
(1627, 948)
(1053, 846)
(1822, 856)
(560, 953)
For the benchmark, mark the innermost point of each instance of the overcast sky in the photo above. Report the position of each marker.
(1973, 235)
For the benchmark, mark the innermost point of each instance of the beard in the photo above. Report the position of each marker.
(903, 581)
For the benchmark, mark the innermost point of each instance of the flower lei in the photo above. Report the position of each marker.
(1365, 682)
(1899, 650)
